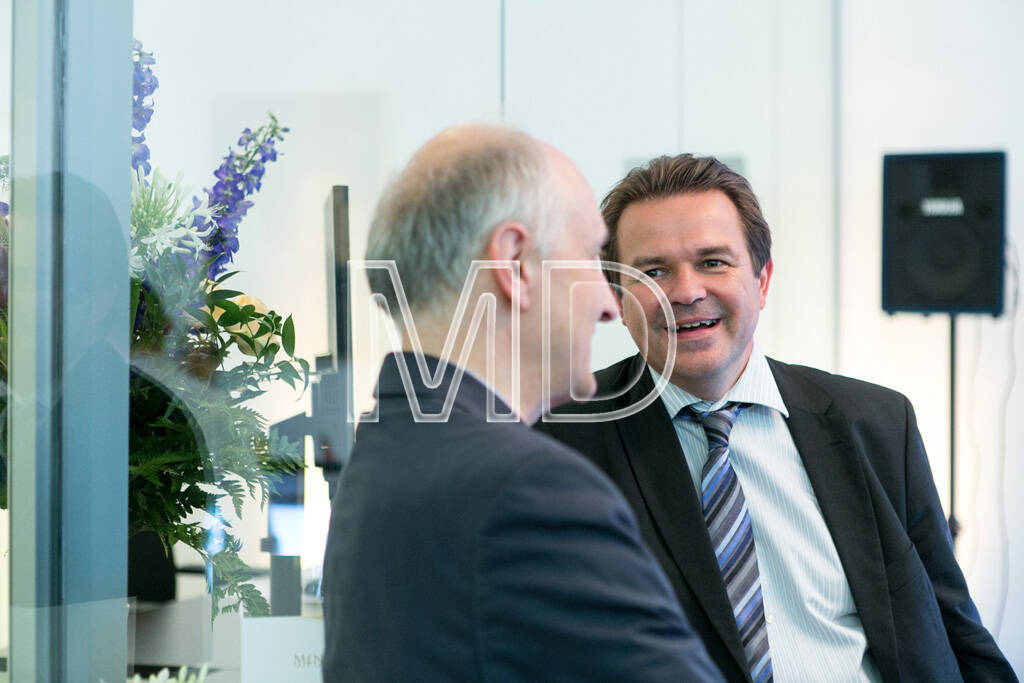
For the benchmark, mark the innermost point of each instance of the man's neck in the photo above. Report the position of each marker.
(711, 389)
(518, 393)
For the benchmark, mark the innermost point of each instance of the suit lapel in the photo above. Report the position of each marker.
(658, 463)
(823, 439)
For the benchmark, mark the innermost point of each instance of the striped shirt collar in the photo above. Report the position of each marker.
(756, 385)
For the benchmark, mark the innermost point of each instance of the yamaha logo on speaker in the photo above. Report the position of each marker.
(942, 206)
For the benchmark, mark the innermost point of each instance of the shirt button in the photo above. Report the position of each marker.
(769, 618)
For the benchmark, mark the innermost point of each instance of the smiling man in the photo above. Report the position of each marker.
(793, 510)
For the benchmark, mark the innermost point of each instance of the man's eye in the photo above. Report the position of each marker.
(654, 272)
(714, 263)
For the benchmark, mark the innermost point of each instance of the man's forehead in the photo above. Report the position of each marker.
(707, 219)
(667, 251)
(652, 239)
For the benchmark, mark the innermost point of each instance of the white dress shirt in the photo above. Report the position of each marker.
(814, 631)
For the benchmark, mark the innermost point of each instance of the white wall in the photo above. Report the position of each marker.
(940, 76)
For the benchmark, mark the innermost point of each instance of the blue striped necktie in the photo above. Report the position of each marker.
(725, 512)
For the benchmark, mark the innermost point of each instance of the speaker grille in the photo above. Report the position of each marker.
(942, 232)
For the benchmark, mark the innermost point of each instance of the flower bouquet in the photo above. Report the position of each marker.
(194, 445)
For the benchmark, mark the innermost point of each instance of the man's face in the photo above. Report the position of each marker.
(580, 296)
(692, 246)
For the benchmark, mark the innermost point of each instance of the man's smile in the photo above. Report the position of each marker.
(691, 328)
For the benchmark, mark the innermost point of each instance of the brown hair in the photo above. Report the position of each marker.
(667, 176)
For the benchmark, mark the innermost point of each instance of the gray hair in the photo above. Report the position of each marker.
(437, 216)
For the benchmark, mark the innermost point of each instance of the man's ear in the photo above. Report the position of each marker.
(762, 281)
(511, 241)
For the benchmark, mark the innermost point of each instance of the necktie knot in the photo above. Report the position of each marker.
(717, 423)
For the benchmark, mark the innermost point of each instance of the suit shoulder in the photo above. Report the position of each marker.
(463, 454)
(840, 388)
(514, 454)
(549, 458)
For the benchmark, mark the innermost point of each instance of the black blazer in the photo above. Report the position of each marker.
(863, 454)
(471, 551)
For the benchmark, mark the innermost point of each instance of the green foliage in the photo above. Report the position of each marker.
(194, 445)
(233, 576)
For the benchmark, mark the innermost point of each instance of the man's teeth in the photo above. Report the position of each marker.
(695, 325)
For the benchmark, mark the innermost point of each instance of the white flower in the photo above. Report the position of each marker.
(159, 223)
(164, 676)
(135, 262)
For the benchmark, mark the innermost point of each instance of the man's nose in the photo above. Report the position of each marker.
(609, 306)
(686, 287)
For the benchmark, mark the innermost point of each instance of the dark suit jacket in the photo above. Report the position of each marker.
(467, 550)
(863, 454)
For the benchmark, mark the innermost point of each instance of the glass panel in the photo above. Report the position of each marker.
(66, 314)
(5, 198)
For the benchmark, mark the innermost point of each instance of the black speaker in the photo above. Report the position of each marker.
(943, 226)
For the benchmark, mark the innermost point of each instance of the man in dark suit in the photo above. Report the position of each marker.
(464, 546)
(793, 510)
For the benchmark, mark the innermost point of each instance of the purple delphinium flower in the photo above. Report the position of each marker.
(239, 175)
(144, 83)
(140, 153)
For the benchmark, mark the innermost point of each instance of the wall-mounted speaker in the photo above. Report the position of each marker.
(943, 226)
